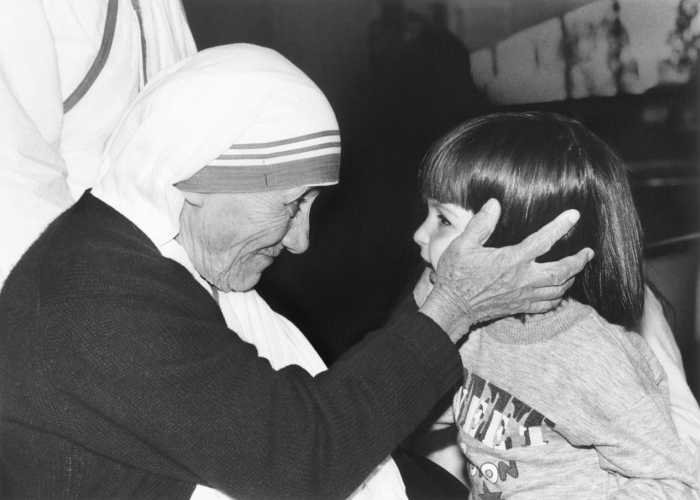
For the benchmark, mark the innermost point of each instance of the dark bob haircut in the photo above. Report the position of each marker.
(538, 165)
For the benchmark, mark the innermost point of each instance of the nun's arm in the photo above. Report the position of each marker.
(184, 386)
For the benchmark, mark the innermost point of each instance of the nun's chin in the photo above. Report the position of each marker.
(243, 283)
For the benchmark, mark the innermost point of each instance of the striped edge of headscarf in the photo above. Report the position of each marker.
(307, 160)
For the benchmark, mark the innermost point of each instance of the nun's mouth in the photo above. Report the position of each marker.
(271, 252)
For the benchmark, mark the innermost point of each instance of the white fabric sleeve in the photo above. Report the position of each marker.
(33, 190)
(684, 408)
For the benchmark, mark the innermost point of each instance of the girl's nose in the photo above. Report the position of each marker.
(420, 237)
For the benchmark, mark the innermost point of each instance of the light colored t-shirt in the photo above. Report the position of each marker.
(566, 405)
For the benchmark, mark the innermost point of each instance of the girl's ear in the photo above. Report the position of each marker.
(196, 199)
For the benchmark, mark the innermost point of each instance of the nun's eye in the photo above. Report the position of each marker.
(444, 221)
(293, 208)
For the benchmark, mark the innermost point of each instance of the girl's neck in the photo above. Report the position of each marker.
(536, 328)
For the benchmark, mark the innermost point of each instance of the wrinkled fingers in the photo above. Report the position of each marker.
(480, 228)
(542, 306)
(541, 241)
(547, 293)
(559, 272)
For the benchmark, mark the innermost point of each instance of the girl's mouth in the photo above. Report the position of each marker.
(433, 275)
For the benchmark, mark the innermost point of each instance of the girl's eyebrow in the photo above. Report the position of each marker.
(452, 210)
(447, 207)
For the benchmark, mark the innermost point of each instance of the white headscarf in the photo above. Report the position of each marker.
(185, 119)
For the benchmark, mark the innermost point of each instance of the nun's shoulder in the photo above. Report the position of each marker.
(91, 251)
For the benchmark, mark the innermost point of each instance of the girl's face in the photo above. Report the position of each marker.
(444, 222)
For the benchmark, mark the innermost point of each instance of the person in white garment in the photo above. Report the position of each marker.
(68, 71)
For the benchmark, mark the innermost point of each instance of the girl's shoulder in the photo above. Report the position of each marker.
(571, 351)
(611, 343)
(612, 369)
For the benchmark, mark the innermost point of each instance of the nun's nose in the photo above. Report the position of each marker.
(297, 238)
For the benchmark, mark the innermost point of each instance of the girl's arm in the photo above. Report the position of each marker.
(642, 447)
(640, 489)
(436, 440)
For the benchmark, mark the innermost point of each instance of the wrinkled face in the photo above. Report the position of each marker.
(444, 222)
(232, 238)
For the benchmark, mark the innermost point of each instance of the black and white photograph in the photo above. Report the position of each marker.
(349, 249)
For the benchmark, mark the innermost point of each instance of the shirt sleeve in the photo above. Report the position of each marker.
(139, 377)
(643, 448)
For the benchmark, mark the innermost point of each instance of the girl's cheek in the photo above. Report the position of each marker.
(438, 245)
(444, 235)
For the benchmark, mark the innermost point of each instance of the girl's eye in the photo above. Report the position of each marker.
(444, 221)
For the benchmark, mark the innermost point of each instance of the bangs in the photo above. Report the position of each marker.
(448, 167)
(438, 179)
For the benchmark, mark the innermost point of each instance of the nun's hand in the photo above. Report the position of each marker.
(424, 286)
(476, 283)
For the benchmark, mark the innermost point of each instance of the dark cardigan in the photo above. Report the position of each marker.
(120, 379)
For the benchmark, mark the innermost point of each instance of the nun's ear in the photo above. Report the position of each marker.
(196, 199)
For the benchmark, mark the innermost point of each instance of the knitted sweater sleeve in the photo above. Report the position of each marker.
(150, 384)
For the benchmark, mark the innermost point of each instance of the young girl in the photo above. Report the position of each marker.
(568, 404)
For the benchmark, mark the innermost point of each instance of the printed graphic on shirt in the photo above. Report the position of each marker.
(497, 419)
(489, 495)
(491, 473)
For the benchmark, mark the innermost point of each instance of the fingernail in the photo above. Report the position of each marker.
(491, 205)
(590, 254)
(574, 216)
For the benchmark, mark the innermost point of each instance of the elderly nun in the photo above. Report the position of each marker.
(137, 360)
